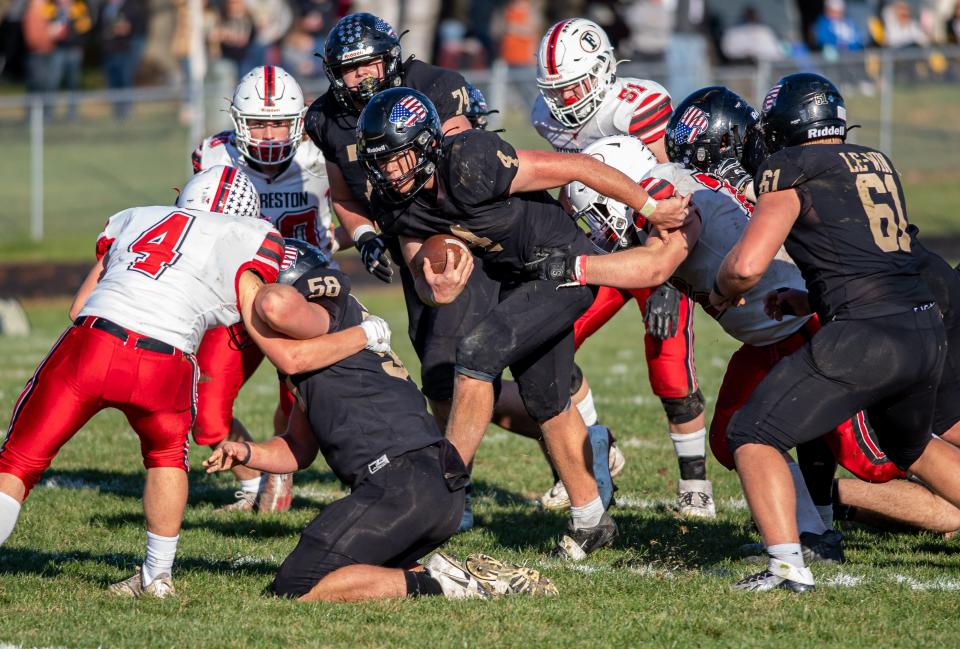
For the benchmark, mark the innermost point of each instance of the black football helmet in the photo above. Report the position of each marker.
(395, 121)
(802, 107)
(357, 38)
(300, 257)
(478, 110)
(710, 125)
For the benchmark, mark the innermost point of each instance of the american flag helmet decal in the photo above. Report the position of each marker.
(771, 97)
(407, 112)
(290, 255)
(692, 123)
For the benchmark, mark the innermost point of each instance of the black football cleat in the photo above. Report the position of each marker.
(575, 545)
(822, 548)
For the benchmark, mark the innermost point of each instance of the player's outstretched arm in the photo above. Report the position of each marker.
(750, 257)
(646, 266)
(288, 355)
(539, 170)
(294, 450)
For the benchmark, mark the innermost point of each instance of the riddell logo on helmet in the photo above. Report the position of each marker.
(356, 53)
(826, 131)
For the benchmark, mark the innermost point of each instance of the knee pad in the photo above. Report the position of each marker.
(479, 355)
(576, 379)
(680, 411)
(542, 408)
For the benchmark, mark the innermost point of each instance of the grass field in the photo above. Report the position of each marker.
(665, 584)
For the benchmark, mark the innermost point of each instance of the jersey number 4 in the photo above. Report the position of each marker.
(159, 246)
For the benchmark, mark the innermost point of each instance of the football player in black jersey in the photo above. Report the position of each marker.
(361, 56)
(838, 209)
(361, 410)
(479, 188)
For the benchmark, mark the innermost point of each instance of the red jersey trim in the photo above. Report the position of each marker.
(652, 116)
(103, 245)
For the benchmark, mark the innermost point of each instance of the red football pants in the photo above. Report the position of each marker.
(850, 441)
(86, 371)
(226, 363)
(669, 362)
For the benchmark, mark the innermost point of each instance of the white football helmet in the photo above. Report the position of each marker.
(575, 69)
(269, 93)
(610, 224)
(222, 189)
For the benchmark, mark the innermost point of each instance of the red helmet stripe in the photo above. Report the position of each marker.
(223, 189)
(552, 47)
(269, 85)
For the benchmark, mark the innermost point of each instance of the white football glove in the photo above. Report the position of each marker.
(378, 333)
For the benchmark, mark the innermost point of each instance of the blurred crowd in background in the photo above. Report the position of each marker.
(48, 45)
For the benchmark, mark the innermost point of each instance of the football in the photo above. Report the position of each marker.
(435, 249)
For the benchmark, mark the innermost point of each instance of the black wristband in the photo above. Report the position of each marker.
(716, 289)
(246, 458)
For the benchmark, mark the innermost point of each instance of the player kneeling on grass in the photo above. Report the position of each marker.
(370, 422)
(163, 276)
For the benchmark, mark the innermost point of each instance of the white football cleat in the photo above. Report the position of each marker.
(779, 575)
(557, 499)
(246, 501)
(455, 581)
(482, 576)
(695, 499)
(160, 587)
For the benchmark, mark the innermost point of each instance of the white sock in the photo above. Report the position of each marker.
(788, 553)
(690, 444)
(9, 513)
(808, 518)
(588, 515)
(250, 486)
(587, 410)
(161, 551)
(826, 515)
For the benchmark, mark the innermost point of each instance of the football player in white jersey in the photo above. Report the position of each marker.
(690, 262)
(163, 275)
(290, 175)
(581, 100)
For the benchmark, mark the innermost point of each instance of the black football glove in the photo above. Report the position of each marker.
(733, 172)
(556, 265)
(373, 252)
(662, 314)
